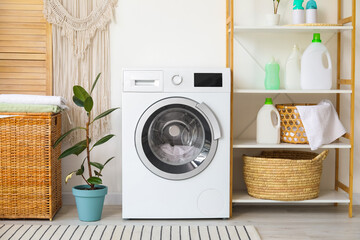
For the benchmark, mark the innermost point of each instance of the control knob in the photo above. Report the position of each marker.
(177, 79)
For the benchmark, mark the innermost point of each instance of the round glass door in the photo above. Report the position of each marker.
(174, 138)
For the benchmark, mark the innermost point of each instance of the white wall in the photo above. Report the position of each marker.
(188, 33)
(156, 33)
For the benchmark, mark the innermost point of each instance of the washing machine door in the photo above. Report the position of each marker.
(176, 138)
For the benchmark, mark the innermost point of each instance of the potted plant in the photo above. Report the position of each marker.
(89, 197)
(273, 19)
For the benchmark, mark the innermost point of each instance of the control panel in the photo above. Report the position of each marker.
(177, 80)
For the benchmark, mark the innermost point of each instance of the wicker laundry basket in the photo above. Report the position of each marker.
(291, 127)
(30, 172)
(284, 175)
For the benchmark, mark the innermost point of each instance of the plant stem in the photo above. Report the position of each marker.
(88, 151)
(274, 6)
(85, 180)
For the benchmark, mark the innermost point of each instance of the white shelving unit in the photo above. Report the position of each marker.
(342, 86)
(287, 29)
(325, 197)
(251, 143)
(263, 91)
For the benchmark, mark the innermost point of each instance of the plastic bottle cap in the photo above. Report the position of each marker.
(298, 4)
(311, 4)
(268, 101)
(272, 61)
(316, 38)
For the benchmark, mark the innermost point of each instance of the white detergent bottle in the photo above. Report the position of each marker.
(268, 124)
(292, 69)
(314, 74)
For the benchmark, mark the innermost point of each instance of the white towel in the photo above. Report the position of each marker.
(321, 123)
(33, 99)
(8, 116)
(178, 153)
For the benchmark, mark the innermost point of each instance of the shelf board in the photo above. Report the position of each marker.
(288, 28)
(325, 196)
(251, 143)
(298, 91)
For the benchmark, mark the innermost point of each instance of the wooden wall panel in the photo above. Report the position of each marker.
(25, 48)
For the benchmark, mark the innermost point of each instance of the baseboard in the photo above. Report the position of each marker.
(110, 199)
(116, 199)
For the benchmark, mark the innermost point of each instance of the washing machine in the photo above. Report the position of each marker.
(176, 143)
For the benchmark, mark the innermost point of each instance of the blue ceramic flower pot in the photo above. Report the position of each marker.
(89, 203)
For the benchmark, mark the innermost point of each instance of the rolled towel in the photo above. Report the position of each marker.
(33, 99)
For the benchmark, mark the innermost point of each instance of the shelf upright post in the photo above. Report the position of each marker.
(350, 82)
(352, 112)
(230, 64)
(337, 151)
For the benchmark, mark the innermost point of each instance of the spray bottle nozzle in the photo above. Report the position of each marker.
(311, 4)
(298, 4)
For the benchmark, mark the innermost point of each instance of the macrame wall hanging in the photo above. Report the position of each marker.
(81, 49)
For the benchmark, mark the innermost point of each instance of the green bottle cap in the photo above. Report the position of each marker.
(316, 38)
(311, 4)
(268, 101)
(298, 4)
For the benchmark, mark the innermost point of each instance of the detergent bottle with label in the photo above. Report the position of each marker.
(268, 124)
(316, 67)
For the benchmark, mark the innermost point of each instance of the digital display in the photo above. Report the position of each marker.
(208, 80)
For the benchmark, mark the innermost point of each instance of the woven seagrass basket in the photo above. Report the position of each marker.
(291, 127)
(284, 175)
(30, 172)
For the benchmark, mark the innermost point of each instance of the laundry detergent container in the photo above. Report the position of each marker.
(316, 66)
(284, 175)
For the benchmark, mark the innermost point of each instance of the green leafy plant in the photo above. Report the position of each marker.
(84, 100)
(276, 5)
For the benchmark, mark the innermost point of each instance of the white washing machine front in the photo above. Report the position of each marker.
(176, 155)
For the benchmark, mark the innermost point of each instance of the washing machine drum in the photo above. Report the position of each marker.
(176, 138)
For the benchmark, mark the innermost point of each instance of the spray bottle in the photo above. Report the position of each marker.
(298, 12)
(311, 12)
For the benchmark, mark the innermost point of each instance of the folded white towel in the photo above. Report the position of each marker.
(321, 123)
(33, 99)
(8, 116)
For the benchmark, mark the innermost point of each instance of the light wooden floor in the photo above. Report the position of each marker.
(272, 222)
